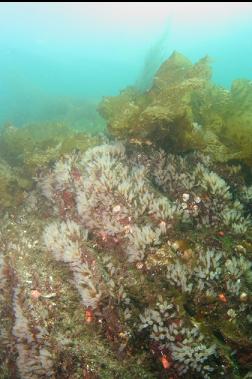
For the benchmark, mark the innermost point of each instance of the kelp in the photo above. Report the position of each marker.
(184, 110)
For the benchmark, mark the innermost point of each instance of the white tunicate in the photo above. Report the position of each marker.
(185, 197)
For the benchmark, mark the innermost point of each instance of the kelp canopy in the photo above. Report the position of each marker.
(184, 110)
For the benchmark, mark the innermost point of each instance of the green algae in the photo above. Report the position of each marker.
(37, 145)
(25, 151)
(12, 186)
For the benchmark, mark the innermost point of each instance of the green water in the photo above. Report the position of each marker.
(125, 191)
(57, 57)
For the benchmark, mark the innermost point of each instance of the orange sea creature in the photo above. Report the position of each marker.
(35, 294)
(166, 363)
(222, 297)
(89, 316)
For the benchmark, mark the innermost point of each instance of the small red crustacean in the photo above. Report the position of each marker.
(222, 298)
(166, 363)
(89, 315)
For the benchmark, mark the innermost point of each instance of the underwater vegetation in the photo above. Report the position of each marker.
(23, 151)
(183, 110)
(129, 255)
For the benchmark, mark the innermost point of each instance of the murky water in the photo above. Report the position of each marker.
(125, 190)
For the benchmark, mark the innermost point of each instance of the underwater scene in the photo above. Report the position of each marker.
(125, 190)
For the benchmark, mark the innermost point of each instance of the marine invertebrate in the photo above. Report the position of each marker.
(191, 353)
(234, 217)
(209, 199)
(2, 273)
(185, 344)
(5, 293)
(209, 272)
(120, 221)
(178, 275)
(112, 199)
(64, 241)
(235, 269)
(247, 193)
(34, 357)
(140, 238)
(216, 186)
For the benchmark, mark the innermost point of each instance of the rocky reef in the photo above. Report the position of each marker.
(129, 262)
(129, 256)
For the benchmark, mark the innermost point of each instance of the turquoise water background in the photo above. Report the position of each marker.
(56, 54)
